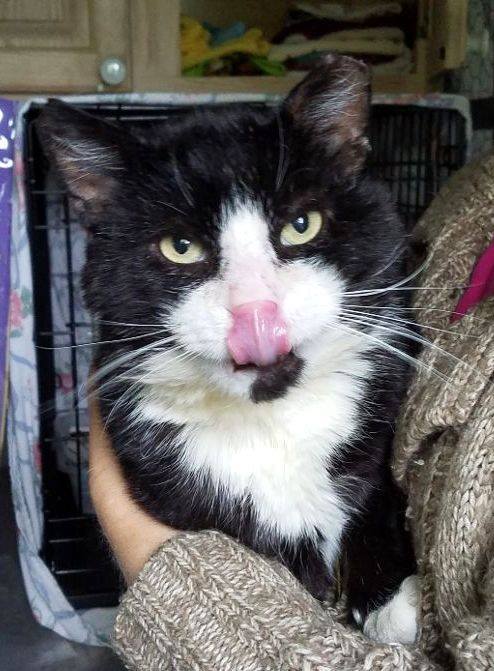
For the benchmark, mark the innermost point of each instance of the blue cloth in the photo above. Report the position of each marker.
(222, 35)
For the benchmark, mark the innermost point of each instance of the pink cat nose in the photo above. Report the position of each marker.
(258, 334)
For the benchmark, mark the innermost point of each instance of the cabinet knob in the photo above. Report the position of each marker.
(113, 71)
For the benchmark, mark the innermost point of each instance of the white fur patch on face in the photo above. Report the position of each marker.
(248, 260)
(396, 621)
(308, 294)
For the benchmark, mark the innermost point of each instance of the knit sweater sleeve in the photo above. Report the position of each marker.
(205, 602)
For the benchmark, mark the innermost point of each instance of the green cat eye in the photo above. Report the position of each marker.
(302, 229)
(181, 250)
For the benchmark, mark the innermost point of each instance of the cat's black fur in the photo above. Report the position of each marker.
(133, 185)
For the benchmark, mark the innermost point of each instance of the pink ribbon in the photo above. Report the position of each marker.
(481, 285)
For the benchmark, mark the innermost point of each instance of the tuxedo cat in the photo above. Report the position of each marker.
(238, 261)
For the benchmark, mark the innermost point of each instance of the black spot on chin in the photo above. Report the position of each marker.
(273, 381)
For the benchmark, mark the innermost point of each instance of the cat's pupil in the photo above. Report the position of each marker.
(181, 245)
(301, 224)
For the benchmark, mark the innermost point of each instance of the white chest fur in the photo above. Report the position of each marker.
(277, 453)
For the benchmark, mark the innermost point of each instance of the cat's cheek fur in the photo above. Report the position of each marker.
(201, 320)
(313, 299)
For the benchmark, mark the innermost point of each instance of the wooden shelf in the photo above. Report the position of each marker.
(254, 84)
(279, 85)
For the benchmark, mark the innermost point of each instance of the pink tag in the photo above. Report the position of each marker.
(481, 285)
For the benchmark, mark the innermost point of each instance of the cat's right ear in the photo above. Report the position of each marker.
(329, 111)
(86, 151)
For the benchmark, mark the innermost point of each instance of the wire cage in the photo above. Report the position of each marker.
(415, 149)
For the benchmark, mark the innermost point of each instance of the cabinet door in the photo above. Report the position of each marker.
(59, 45)
(447, 35)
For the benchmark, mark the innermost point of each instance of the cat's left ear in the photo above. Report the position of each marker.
(330, 110)
(86, 151)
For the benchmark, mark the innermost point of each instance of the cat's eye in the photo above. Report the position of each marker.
(302, 229)
(181, 250)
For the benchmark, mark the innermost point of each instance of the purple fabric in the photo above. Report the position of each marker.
(7, 110)
(481, 284)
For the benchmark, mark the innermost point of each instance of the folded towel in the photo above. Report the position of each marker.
(379, 33)
(314, 28)
(401, 65)
(380, 65)
(383, 41)
(343, 12)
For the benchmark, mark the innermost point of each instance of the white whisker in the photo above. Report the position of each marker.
(392, 287)
(383, 344)
(172, 207)
(399, 308)
(100, 342)
(401, 331)
(282, 158)
(378, 318)
(397, 252)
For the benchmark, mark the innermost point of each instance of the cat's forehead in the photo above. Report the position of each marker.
(236, 141)
(213, 161)
(234, 123)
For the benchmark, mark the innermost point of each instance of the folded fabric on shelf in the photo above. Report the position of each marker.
(380, 65)
(383, 41)
(314, 28)
(222, 35)
(401, 65)
(382, 34)
(341, 11)
(195, 44)
(194, 41)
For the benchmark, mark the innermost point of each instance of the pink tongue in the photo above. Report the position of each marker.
(258, 334)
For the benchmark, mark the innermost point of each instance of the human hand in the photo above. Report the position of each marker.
(133, 535)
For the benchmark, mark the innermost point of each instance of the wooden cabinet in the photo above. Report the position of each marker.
(56, 46)
(60, 46)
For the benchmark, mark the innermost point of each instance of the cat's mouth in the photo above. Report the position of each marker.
(274, 380)
(280, 362)
(246, 366)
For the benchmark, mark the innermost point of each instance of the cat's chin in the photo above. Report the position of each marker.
(273, 381)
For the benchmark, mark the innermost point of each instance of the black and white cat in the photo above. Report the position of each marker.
(237, 264)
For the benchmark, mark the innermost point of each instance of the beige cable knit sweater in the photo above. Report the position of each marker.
(204, 602)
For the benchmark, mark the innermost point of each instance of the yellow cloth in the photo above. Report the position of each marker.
(195, 44)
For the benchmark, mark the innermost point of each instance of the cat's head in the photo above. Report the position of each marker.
(237, 232)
